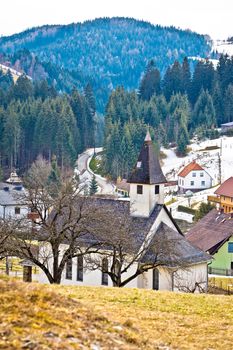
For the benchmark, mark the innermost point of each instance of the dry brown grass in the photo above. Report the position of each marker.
(55, 317)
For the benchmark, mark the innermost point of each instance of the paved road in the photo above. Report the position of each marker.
(85, 173)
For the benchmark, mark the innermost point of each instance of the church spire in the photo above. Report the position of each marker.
(147, 169)
(146, 181)
(148, 137)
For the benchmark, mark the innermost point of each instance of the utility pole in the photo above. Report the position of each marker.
(7, 258)
(219, 168)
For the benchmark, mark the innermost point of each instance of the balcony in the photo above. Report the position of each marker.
(220, 272)
(214, 199)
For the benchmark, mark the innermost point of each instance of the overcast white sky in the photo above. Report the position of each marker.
(211, 17)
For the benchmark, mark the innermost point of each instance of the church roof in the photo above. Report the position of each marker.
(193, 166)
(173, 249)
(147, 169)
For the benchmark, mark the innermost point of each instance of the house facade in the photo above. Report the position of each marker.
(11, 203)
(182, 266)
(193, 178)
(223, 196)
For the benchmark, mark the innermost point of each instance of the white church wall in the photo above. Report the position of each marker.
(90, 277)
(165, 279)
(184, 279)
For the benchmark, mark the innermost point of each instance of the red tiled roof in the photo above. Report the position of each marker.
(226, 188)
(189, 168)
(213, 229)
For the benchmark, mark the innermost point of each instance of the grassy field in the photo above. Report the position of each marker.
(39, 317)
(225, 283)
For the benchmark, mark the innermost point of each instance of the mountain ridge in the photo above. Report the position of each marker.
(109, 51)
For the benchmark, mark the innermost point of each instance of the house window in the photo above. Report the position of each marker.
(191, 183)
(69, 269)
(201, 174)
(230, 247)
(105, 271)
(155, 281)
(139, 189)
(203, 183)
(17, 210)
(156, 189)
(193, 174)
(80, 268)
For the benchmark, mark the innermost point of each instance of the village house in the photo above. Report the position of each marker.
(214, 234)
(151, 222)
(11, 194)
(224, 196)
(193, 178)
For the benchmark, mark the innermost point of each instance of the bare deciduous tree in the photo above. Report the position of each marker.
(129, 251)
(58, 221)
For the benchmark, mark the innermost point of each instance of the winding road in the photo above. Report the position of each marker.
(85, 173)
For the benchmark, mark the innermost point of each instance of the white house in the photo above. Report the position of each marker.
(151, 222)
(11, 203)
(194, 178)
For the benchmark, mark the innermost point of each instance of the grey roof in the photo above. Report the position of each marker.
(11, 194)
(147, 169)
(140, 226)
(171, 248)
(175, 247)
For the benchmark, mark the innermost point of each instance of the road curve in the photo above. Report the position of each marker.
(85, 173)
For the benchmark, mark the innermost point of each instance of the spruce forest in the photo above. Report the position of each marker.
(36, 120)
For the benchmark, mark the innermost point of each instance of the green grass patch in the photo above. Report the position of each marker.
(183, 209)
(173, 200)
(96, 165)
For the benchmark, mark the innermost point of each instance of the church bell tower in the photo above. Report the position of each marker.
(146, 181)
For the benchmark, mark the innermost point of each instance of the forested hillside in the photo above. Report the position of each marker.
(36, 121)
(175, 108)
(105, 52)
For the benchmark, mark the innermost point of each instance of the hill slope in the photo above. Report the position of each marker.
(41, 317)
(111, 51)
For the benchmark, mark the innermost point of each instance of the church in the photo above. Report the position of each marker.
(182, 267)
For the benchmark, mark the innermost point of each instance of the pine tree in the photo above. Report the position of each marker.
(204, 112)
(182, 140)
(228, 104)
(54, 176)
(23, 88)
(93, 189)
(186, 77)
(150, 83)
